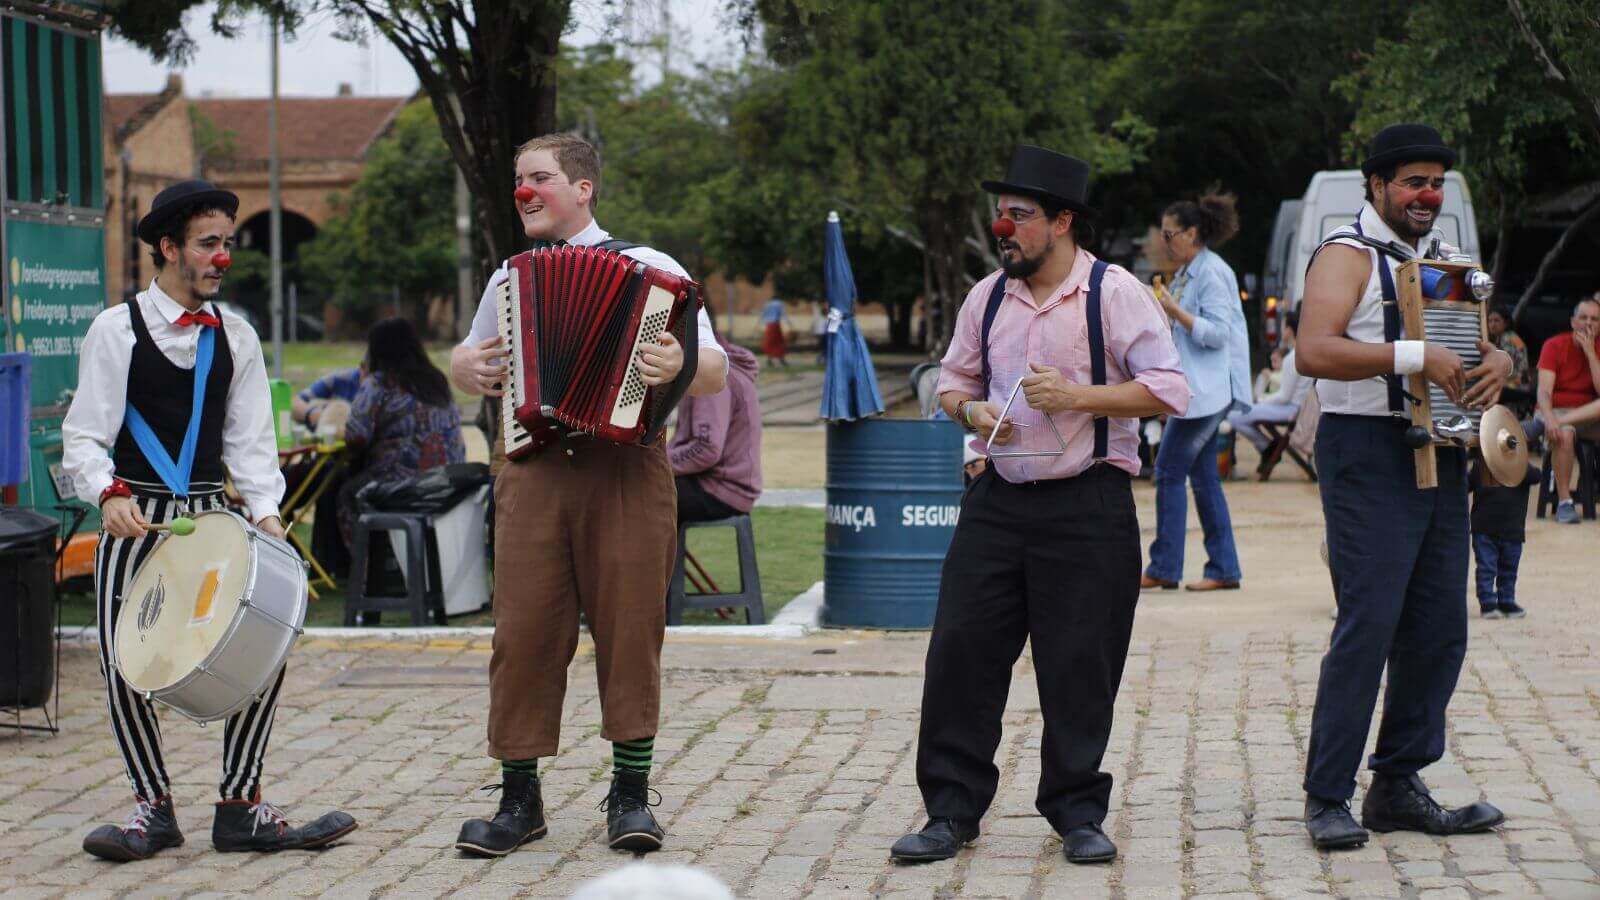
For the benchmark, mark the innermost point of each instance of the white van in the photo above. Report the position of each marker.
(1335, 197)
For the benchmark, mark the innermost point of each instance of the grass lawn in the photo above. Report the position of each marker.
(788, 549)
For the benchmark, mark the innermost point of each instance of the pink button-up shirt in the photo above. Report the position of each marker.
(1054, 332)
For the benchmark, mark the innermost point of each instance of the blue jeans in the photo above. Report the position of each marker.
(1497, 561)
(1185, 455)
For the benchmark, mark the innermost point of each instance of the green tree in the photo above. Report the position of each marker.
(1515, 84)
(394, 233)
(488, 68)
(892, 113)
(660, 146)
(1239, 91)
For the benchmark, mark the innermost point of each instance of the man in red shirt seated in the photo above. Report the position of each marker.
(1569, 396)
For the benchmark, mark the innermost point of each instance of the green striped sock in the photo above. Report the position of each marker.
(633, 756)
(521, 766)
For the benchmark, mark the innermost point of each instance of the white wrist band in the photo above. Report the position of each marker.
(1408, 357)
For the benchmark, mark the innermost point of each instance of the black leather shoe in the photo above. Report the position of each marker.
(153, 827)
(519, 820)
(1402, 803)
(243, 825)
(630, 825)
(1331, 826)
(939, 839)
(1087, 844)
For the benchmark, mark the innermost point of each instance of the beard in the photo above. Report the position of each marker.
(197, 283)
(1023, 266)
(1404, 225)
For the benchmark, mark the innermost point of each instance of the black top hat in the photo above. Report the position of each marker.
(1037, 172)
(179, 201)
(1407, 143)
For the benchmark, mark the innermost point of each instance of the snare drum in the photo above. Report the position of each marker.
(209, 618)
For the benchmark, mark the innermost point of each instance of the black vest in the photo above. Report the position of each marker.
(163, 393)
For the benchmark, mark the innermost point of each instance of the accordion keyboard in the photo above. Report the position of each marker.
(653, 321)
(1459, 330)
(515, 436)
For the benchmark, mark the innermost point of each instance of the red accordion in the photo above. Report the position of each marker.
(573, 319)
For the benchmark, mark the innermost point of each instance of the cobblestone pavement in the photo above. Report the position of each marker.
(786, 767)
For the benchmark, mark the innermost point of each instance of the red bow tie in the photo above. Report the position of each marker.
(198, 318)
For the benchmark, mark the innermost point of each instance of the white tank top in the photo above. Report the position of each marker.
(1368, 396)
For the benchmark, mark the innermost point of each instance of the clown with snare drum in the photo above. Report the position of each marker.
(198, 607)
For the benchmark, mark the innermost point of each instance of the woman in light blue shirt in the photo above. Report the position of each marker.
(1208, 327)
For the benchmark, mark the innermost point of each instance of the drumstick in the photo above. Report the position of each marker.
(180, 526)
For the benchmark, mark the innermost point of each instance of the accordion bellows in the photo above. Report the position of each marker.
(573, 320)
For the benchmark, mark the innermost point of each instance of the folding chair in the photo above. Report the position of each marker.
(1289, 438)
(324, 460)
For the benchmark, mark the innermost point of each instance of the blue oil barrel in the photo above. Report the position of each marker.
(894, 495)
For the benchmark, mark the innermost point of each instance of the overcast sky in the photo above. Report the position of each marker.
(315, 63)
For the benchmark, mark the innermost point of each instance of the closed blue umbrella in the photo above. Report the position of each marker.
(850, 384)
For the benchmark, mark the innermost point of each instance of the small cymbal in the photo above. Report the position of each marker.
(1504, 445)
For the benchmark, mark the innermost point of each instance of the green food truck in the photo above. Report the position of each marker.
(52, 218)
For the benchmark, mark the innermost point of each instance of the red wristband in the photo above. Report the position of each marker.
(118, 488)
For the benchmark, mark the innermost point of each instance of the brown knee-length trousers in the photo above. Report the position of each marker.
(594, 530)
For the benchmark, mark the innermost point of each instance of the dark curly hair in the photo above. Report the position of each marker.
(1215, 217)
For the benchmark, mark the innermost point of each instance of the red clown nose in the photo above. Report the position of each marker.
(1431, 198)
(1002, 228)
(523, 194)
(221, 261)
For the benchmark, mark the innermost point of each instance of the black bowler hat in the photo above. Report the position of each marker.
(1399, 144)
(179, 201)
(1037, 172)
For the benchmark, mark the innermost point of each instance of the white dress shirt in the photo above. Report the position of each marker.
(249, 446)
(485, 321)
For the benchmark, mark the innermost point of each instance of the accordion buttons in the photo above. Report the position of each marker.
(569, 451)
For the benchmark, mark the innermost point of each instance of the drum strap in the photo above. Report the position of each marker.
(176, 474)
(1097, 344)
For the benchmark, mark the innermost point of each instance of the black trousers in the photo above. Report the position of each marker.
(1398, 556)
(695, 505)
(1057, 563)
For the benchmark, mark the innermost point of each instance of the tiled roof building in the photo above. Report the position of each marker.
(153, 140)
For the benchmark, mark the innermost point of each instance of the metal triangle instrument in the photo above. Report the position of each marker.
(988, 447)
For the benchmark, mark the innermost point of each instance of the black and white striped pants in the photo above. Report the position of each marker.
(133, 718)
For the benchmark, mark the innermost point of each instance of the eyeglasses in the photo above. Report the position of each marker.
(1169, 235)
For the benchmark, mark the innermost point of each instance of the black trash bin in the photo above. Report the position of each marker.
(27, 645)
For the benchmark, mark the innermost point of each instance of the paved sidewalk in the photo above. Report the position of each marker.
(786, 767)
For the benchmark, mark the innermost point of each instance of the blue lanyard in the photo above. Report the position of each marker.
(175, 475)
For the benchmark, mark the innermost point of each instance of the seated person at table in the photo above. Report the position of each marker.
(716, 450)
(403, 421)
(340, 385)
